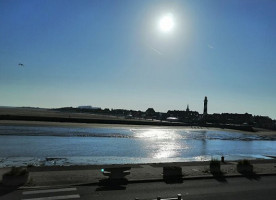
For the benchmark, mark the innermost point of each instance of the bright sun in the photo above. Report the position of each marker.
(166, 23)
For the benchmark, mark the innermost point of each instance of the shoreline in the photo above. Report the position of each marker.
(258, 132)
(60, 162)
(100, 119)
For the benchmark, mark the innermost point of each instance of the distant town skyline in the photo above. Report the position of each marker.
(139, 54)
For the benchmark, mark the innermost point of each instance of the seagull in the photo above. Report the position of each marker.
(20, 64)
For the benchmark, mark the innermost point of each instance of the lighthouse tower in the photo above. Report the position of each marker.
(205, 106)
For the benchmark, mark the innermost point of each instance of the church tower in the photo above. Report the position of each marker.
(187, 109)
(205, 106)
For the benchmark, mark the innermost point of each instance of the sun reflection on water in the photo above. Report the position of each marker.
(166, 150)
(165, 143)
(157, 134)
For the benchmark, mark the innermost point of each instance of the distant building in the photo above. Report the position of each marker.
(231, 118)
(263, 122)
(119, 112)
(187, 116)
(89, 107)
(205, 106)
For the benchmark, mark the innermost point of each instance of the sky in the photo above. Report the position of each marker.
(113, 54)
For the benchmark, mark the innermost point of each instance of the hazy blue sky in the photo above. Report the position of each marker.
(113, 54)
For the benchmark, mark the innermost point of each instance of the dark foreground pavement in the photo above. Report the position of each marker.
(263, 187)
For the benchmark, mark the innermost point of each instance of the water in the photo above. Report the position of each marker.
(38, 145)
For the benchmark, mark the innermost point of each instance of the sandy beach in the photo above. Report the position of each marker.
(259, 132)
(75, 174)
(182, 143)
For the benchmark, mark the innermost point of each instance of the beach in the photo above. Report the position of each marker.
(259, 132)
(55, 143)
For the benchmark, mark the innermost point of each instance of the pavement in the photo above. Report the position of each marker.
(139, 173)
(146, 182)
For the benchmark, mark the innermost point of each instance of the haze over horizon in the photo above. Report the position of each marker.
(139, 54)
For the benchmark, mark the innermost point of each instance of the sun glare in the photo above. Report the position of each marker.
(166, 23)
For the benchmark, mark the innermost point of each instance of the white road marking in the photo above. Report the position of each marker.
(74, 196)
(49, 191)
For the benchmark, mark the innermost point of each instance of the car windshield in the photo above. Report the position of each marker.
(126, 89)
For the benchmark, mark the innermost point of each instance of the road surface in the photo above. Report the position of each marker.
(230, 188)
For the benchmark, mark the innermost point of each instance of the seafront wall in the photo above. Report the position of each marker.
(231, 126)
(94, 120)
(120, 121)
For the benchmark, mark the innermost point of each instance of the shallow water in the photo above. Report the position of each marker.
(38, 145)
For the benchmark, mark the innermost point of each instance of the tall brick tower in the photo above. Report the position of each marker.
(205, 106)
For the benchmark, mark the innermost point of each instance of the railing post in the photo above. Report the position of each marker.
(179, 197)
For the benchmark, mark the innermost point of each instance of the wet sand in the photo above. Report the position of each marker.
(259, 132)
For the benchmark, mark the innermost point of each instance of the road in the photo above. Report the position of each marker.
(231, 188)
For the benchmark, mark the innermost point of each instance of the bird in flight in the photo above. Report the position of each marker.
(20, 64)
